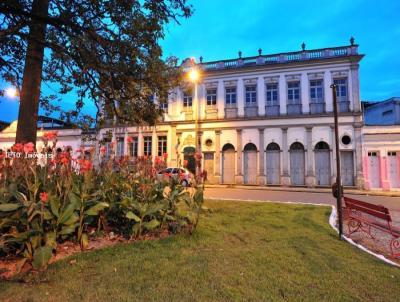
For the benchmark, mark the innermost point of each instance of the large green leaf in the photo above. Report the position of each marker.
(66, 214)
(151, 225)
(66, 230)
(132, 216)
(41, 257)
(93, 211)
(55, 205)
(51, 239)
(9, 207)
(72, 219)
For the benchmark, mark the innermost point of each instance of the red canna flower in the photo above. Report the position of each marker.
(103, 150)
(44, 197)
(185, 163)
(85, 165)
(51, 135)
(165, 155)
(29, 148)
(17, 147)
(129, 139)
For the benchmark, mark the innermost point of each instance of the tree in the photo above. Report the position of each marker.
(105, 50)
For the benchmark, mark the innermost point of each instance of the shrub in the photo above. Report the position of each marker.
(61, 196)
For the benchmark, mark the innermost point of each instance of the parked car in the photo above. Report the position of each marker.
(183, 175)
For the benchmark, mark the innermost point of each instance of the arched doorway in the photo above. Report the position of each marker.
(322, 156)
(188, 155)
(273, 162)
(250, 164)
(297, 164)
(228, 164)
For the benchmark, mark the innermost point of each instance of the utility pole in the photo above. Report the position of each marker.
(339, 189)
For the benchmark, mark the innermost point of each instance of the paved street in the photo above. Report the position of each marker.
(393, 203)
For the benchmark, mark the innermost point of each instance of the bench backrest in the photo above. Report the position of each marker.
(378, 211)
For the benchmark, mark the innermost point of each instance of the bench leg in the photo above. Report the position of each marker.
(395, 246)
(353, 225)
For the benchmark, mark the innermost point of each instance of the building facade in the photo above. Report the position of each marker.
(382, 113)
(265, 120)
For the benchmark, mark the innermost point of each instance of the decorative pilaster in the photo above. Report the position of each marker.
(239, 174)
(172, 147)
(310, 177)
(333, 155)
(358, 151)
(285, 178)
(261, 179)
(217, 159)
(126, 146)
(385, 184)
(140, 143)
(282, 95)
(154, 145)
(355, 83)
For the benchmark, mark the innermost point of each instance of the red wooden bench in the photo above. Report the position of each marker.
(362, 216)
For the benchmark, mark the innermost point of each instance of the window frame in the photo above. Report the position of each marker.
(250, 96)
(162, 145)
(231, 95)
(211, 98)
(272, 94)
(147, 145)
(292, 100)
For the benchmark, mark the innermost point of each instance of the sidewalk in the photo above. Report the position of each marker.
(304, 189)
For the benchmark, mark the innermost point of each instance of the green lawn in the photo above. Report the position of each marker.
(241, 252)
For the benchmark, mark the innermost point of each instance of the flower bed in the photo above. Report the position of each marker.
(53, 197)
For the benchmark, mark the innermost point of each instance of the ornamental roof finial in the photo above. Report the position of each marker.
(201, 59)
(240, 54)
(303, 46)
(259, 51)
(352, 41)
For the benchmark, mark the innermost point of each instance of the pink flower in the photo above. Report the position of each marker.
(29, 148)
(85, 165)
(103, 150)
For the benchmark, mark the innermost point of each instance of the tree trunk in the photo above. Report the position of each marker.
(32, 78)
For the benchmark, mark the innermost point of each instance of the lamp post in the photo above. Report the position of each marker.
(194, 77)
(338, 189)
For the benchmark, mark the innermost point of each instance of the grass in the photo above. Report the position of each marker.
(241, 252)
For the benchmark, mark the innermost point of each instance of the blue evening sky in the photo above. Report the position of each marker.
(220, 28)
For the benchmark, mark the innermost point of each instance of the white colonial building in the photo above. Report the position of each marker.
(262, 120)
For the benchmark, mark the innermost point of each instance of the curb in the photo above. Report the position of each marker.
(301, 189)
(332, 222)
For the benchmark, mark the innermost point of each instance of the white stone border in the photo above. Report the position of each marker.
(332, 220)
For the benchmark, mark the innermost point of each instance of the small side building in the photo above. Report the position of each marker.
(381, 145)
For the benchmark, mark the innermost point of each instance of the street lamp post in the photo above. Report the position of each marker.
(194, 77)
(339, 188)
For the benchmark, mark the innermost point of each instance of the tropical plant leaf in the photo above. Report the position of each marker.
(55, 206)
(151, 225)
(41, 257)
(51, 239)
(132, 216)
(93, 211)
(66, 214)
(9, 207)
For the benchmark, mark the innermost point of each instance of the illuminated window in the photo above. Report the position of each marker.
(230, 96)
(272, 94)
(187, 99)
(251, 95)
(162, 145)
(211, 97)
(147, 145)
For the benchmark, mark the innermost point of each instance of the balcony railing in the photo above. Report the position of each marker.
(293, 109)
(296, 56)
(251, 111)
(343, 106)
(231, 112)
(317, 107)
(272, 110)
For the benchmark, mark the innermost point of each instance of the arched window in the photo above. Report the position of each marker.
(297, 146)
(321, 146)
(250, 147)
(228, 147)
(273, 147)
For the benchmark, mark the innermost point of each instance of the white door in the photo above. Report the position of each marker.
(273, 167)
(228, 166)
(347, 168)
(250, 167)
(297, 167)
(394, 173)
(323, 167)
(373, 170)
